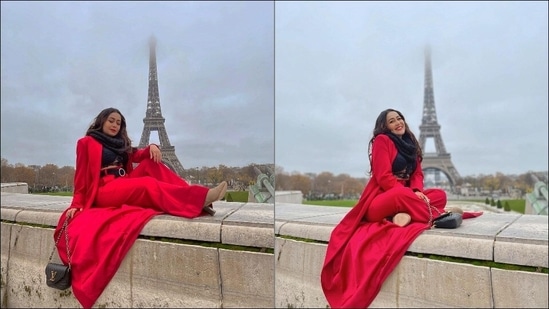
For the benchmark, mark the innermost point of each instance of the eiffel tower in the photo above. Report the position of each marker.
(154, 121)
(440, 160)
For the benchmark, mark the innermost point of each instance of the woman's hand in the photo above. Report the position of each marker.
(71, 212)
(156, 155)
(422, 196)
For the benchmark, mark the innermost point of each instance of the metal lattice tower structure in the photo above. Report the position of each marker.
(154, 121)
(440, 161)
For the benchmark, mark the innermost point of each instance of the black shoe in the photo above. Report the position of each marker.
(209, 210)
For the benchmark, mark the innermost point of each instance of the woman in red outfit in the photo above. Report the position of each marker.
(392, 211)
(395, 162)
(112, 202)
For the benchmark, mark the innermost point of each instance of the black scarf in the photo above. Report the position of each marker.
(116, 144)
(406, 148)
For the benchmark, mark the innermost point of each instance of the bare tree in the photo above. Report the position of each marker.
(7, 171)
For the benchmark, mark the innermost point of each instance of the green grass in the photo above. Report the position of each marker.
(515, 205)
(337, 203)
(242, 196)
(56, 193)
(236, 196)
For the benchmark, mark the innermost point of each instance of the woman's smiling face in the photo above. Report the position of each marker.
(111, 127)
(395, 123)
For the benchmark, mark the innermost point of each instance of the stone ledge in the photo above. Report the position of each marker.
(15, 187)
(500, 237)
(243, 224)
(153, 274)
(415, 282)
(304, 230)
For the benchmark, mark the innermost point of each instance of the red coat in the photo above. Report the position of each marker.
(360, 254)
(114, 211)
(88, 164)
(384, 151)
(99, 238)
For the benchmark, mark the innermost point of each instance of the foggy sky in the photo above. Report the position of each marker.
(339, 64)
(63, 62)
(297, 83)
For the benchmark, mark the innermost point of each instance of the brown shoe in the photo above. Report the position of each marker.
(402, 219)
(216, 193)
(222, 192)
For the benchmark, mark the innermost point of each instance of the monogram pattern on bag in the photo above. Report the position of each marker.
(53, 275)
(57, 275)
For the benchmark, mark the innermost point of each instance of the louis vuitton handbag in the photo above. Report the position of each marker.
(448, 220)
(58, 276)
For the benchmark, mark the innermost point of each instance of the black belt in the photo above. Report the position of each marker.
(116, 171)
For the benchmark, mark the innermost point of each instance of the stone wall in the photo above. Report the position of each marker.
(245, 256)
(15, 187)
(213, 262)
(291, 197)
(483, 253)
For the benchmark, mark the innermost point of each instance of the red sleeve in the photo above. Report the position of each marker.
(416, 179)
(80, 175)
(383, 154)
(141, 154)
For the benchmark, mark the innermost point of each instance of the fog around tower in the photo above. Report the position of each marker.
(63, 62)
(340, 64)
(337, 66)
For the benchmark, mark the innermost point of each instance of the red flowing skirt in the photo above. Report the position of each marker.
(365, 247)
(100, 237)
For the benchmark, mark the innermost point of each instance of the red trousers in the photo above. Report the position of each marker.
(403, 199)
(152, 185)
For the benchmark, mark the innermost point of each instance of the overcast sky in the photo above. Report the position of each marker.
(63, 62)
(339, 64)
(331, 68)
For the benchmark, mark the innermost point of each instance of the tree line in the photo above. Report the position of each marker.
(50, 177)
(321, 186)
(326, 185)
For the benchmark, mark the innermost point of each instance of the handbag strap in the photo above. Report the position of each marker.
(63, 230)
(430, 208)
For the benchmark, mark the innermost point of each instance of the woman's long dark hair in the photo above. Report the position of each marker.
(381, 127)
(99, 121)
